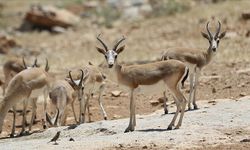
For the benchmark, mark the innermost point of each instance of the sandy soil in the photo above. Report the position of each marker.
(226, 77)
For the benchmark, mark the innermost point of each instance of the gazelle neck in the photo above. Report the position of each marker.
(117, 71)
(209, 55)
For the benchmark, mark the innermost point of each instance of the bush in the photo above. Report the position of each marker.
(168, 7)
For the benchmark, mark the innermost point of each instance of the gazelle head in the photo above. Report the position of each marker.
(214, 40)
(110, 54)
(78, 85)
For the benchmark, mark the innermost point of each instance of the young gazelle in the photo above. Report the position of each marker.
(172, 72)
(29, 83)
(64, 92)
(96, 77)
(196, 59)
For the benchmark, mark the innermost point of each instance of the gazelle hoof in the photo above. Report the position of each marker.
(44, 126)
(169, 128)
(195, 107)
(128, 130)
(12, 135)
(105, 118)
(166, 111)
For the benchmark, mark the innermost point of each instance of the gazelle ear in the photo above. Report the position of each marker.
(222, 34)
(205, 35)
(100, 50)
(119, 50)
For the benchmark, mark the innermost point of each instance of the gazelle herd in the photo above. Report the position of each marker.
(25, 84)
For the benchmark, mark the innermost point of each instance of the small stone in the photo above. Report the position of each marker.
(213, 90)
(161, 99)
(154, 102)
(144, 147)
(243, 94)
(116, 93)
(116, 117)
(245, 140)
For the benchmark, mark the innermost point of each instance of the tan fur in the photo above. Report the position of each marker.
(29, 83)
(61, 95)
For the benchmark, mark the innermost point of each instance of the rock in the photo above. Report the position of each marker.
(213, 90)
(154, 102)
(245, 15)
(116, 93)
(227, 87)
(116, 117)
(244, 71)
(6, 43)
(71, 139)
(47, 17)
(144, 147)
(245, 140)
(242, 94)
(209, 78)
(58, 29)
(161, 99)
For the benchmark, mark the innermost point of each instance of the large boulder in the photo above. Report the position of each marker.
(50, 17)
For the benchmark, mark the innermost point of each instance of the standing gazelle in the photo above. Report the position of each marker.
(29, 83)
(172, 72)
(196, 59)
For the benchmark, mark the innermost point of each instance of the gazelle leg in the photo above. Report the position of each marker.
(88, 112)
(191, 82)
(178, 108)
(46, 94)
(34, 107)
(14, 122)
(74, 113)
(165, 103)
(197, 74)
(183, 103)
(131, 119)
(101, 88)
(25, 103)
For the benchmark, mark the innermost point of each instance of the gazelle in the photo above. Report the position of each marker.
(196, 59)
(12, 67)
(29, 83)
(64, 92)
(95, 77)
(172, 72)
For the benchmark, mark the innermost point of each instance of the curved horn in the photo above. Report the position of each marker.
(72, 79)
(24, 64)
(209, 33)
(103, 44)
(218, 29)
(47, 65)
(35, 63)
(119, 42)
(84, 75)
(80, 83)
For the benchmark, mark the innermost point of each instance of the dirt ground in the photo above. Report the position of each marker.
(227, 76)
